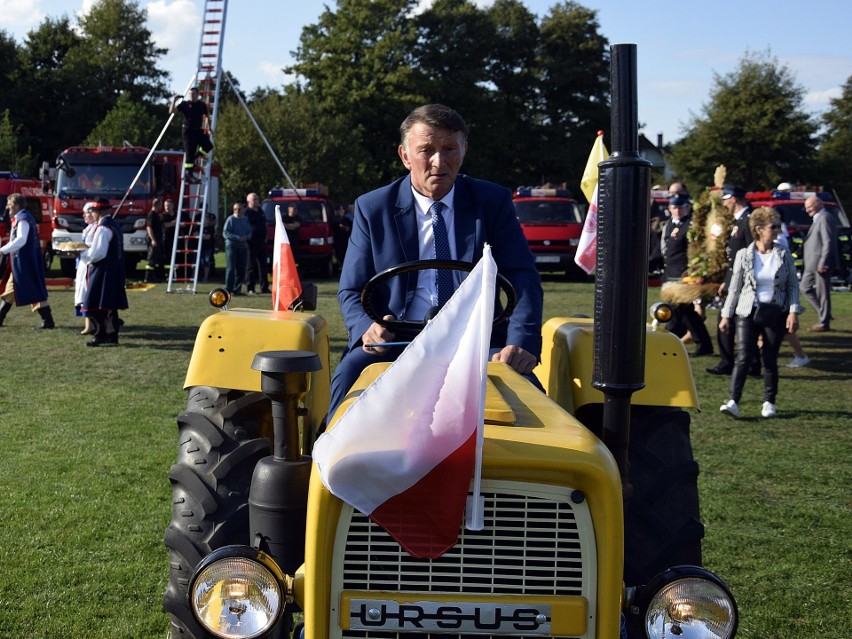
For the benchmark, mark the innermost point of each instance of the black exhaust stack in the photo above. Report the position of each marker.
(621, 280)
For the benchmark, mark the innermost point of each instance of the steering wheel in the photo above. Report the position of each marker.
(413, 327)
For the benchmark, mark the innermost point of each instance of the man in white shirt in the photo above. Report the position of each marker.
(26, 284)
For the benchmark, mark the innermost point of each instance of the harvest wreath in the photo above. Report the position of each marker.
(706, 256)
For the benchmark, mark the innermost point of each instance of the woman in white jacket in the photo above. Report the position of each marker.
(764, 298)
(80, 278)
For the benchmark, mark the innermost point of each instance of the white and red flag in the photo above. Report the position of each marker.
(286, 286)
(405, 451)
(587, 250)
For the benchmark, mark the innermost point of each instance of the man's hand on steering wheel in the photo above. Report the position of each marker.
(520, 360)
(375, 335)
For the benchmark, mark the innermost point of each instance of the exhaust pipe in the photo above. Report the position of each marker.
(621, 280)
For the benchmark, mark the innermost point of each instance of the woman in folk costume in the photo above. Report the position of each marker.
(87, 238)
(105, 294)
(26, 284)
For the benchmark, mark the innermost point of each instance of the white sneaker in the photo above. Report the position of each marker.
(730, 408)
(799, 362)
(768, 409)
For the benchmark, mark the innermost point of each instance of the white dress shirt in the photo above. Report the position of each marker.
(426, 294)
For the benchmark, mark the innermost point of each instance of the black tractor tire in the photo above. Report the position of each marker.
(662, 520)
(662, 526)
(222, 435)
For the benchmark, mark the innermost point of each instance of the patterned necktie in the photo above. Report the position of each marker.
(443, 277)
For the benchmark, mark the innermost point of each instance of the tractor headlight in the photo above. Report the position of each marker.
(219, 297)
(238, 592)
(687, 602)
(661, 312)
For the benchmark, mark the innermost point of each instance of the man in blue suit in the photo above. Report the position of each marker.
(394, 225)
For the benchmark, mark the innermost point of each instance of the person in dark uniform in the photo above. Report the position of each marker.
(341, 230)
(105, 295)
(195, 141)
(674, 247)
(156, 271)
(258, 270)
(733, 199)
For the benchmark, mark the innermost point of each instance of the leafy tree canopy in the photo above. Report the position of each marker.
(835, 148)
(128, 122)
(755, 124)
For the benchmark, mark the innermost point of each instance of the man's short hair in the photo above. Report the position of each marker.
(437, 116)
(17, 199)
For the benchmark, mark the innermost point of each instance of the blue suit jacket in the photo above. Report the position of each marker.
(384, 234)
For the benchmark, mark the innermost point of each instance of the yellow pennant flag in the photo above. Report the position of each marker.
(586, 255)
(590, 173)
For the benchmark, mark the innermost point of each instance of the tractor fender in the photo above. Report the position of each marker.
(567, 364)
(227, 342)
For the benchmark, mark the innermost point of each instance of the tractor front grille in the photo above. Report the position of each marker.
(537, 540)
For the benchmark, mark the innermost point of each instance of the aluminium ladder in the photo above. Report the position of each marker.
(194, 196)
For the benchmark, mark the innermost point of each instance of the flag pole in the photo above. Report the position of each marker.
(475, 507)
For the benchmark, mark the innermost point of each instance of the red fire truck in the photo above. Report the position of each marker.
(552, 223)
(38, 204)
(83, 174)
(316, 240)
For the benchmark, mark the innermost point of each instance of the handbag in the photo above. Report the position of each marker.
(767, 314)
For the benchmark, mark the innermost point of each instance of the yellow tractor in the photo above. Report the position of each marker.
(591, 520)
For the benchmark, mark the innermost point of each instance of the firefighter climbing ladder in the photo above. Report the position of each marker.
(192, 206)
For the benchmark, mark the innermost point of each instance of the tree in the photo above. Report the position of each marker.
(310, 145)
(69, 78)
(452, 54)
(358, 68)
(128, 122)
(9, 54)
(121, 54)
(574, 89)
(54, 105)
(507, 135)
(755, 125)
(836, 144)
(11, 157)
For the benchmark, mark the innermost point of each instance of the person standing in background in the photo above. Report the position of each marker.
(105, 294)
(674, 247)
(258, 258)
(156, 271)
(81, 279)
(237, 233)
(822, 256)
(733, 199)
(342, 229)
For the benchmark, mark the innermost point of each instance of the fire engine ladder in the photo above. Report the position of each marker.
(192, 206)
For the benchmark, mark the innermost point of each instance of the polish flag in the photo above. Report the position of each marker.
(286, 286)
(405, 451)
(587, 249)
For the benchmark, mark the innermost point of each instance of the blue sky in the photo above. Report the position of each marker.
(680, 44)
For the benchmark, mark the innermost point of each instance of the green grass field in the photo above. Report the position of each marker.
(88, 436)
